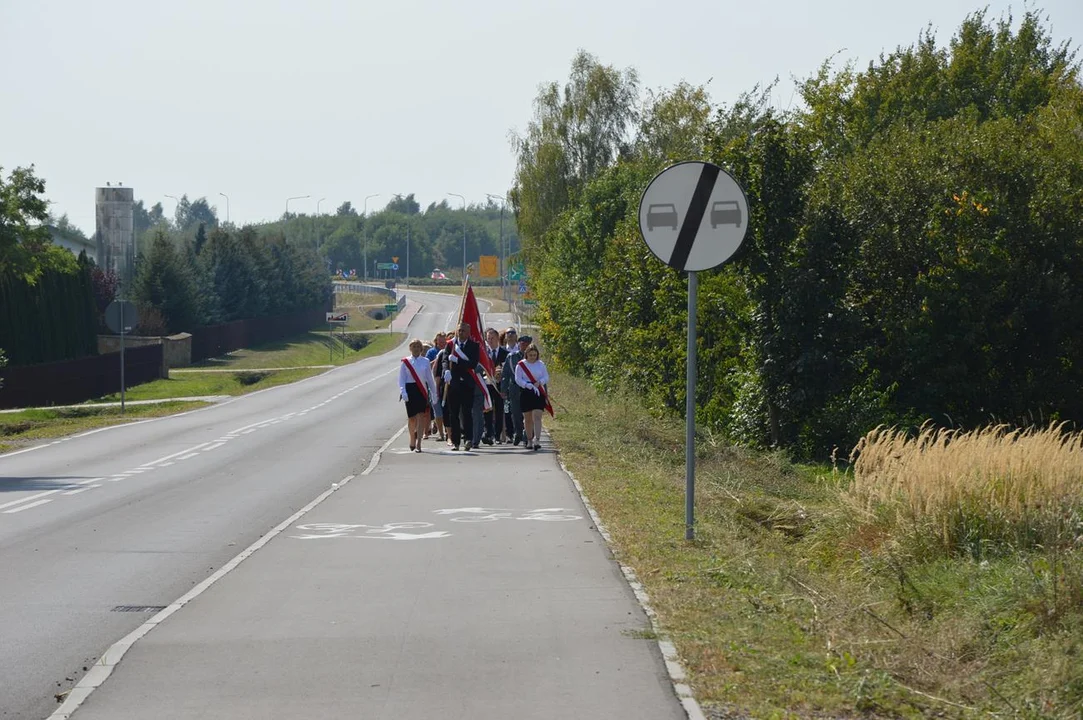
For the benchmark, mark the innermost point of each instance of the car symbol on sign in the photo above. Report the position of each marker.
(725, 212)
(664, 215)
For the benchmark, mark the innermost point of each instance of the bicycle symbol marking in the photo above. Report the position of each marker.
(480, 515)
(387, 531)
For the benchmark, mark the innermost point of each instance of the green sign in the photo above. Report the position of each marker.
(391, 308)
(530, 302)
(516, 272)
(386, 266)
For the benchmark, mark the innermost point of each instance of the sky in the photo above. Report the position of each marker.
(265, 100)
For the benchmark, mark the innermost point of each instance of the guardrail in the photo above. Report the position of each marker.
(362, 289)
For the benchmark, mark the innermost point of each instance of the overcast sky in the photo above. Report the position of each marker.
(265, 99)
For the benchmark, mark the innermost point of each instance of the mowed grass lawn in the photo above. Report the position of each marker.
(240, 372)
(800, 599)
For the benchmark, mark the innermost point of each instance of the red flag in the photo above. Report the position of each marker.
(472, 316)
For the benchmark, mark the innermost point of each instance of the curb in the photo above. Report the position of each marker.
(677, 675)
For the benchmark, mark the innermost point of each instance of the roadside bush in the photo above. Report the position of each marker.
(356, 341)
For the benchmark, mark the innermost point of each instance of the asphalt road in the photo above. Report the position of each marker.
(98, 530)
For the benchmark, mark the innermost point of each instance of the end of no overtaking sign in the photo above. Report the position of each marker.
(693, 216)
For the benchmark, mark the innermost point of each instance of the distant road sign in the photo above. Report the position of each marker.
(387, 266)
(118, 309)
(333, 317)
(522, 287)
(488, 266)
(516, 272)
(693, 216)
(394, 259)
(391, 308)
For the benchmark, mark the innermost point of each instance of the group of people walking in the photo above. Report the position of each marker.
(450, 395)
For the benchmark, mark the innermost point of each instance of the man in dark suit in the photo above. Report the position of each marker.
(456, 372)
(494, 421)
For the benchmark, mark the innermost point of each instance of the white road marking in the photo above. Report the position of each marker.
(213, 446)
(189, 455)
(91, 481)
(28, 499)
(27, 507)
(82, 489)
(170, 457)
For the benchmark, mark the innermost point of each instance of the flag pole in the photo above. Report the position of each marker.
(462, 300)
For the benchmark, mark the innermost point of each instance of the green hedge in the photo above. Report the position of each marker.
(53, 319)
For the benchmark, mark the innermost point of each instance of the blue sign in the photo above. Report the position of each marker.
(522, 287)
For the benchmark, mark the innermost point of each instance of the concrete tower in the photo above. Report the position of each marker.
(114, 211)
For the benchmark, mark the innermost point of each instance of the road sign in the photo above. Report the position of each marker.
(530, 302)
(516, 272)
(387, 266)
(693, 216)
(488, 266)
(333, 317)
(391, 308)
(394, 259)
(113, 313)
(522, 287)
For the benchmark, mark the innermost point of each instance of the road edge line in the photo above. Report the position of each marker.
(678, 677)
(103, 668)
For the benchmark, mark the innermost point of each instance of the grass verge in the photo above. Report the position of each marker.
(258, 368)
(357, 306)
(790, 603)
(24, 428)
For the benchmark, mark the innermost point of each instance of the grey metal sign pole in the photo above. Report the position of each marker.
(693, 216)
(690, 415)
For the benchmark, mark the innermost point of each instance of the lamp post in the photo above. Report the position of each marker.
(364, 214)
(175, 199)
(286, 219)
(503, 252)
(464, 231)
(227, 206)
(317, 223)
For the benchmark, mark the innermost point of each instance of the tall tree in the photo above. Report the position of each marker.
(165, 283)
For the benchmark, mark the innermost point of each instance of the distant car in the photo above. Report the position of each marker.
(438, 274)
(725, 212)
(664, 215)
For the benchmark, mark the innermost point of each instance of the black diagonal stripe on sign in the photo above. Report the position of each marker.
(692, 220)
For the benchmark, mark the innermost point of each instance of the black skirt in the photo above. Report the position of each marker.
(415, 401)
(529, 401)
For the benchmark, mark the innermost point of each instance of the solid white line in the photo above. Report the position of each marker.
(189, 455)
(27, 507)
(213, 446)
(101, 670)
(28, 499)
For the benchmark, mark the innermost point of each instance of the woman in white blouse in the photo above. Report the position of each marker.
(532, 376)
(417, 387)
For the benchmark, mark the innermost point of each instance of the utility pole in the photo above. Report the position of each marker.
(364, 216)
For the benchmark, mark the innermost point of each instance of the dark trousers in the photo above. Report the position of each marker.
(460, 405)
(494, 421)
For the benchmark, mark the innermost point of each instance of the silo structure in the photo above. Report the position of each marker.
(114, 209)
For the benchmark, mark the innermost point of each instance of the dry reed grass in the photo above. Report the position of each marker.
(975, 490)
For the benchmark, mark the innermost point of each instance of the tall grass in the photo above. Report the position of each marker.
(989, 490)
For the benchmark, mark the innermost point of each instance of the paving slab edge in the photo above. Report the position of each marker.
(103, 668)
(677, 674)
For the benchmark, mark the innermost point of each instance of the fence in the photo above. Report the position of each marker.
(216, 340)
(74, 381)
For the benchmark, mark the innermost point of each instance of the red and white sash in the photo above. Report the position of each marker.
(544, 394)
(420, 385)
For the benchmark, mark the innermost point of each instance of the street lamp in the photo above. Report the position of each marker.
(464, 231)
(175, 199)
(365, 231)
(286, 219)
(503, 252)
(317, 222)
(227, 206)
